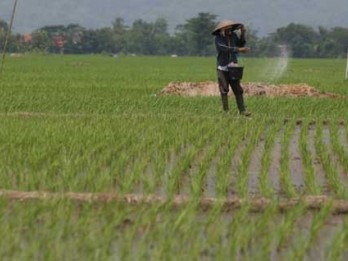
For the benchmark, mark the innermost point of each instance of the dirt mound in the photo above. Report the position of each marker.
(251, 89)
(256, 203)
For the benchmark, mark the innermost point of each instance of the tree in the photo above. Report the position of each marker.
(161, 36)
(266, 47)
(333, 42)
(339, 36)
(56, 36)
(252, 42)
(73, 38)
(41, 41)
(148, 38)
(120, 30)
(300, 38)
(196, 34)
(89, 41)
(106, 40)
(3, 32)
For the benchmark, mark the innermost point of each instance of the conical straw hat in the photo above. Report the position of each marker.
(226, 23)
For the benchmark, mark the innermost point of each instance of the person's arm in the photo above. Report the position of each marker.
(222, 47)
(242, 41)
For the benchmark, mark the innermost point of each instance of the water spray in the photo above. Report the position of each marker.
(276, 66)
(8, 35)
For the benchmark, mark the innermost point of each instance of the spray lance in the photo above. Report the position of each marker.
(8, 35)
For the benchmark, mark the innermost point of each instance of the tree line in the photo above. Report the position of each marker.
(193, 38)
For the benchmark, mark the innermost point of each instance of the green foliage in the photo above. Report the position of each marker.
(193, 38)
(71, 124)
(196, 33)
(41, 41)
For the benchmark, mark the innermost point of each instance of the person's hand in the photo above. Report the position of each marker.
(244, 49)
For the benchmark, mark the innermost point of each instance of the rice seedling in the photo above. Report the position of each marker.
(285, 175)
(71, 124)
(311, 186)
(264, 179)
(330, 171)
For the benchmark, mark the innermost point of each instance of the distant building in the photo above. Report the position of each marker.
(27, 38)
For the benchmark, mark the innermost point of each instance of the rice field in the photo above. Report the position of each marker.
(96, 165)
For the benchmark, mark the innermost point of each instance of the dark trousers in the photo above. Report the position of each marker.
(224, 83)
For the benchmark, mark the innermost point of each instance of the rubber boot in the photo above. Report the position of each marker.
(241, 106)
(224, 99)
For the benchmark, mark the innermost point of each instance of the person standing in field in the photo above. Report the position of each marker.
(228, 45)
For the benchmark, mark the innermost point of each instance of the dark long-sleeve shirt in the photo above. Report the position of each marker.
(227, 48)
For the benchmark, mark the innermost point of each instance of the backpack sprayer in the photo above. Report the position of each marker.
(8, 35)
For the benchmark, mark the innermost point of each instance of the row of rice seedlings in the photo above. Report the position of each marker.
(330, 171)
(150, 178)
(215, 245)
(133, 159)
(168, 149)
(242, 175)
(111, 164)
(311, 186)
(250, 236)
(173, 182)
(68, 231)
(199, 176)
(287, 226)
(303, 244)
(285, 175)
(261, 227)
(126, 173)
(179, 139)
(338, 244)
(223, 169)
(160, 240)
(163, 143)
(236, 232)
(58, 230)
(337, 146)
(130, 247)
(264, 179)
(135, 174)
(68, 159)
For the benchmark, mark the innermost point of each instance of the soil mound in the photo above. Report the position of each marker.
(251, 89)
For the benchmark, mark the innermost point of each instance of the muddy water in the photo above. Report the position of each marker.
(274, 170)
(296, 164)
(188, 177)
(254, 168)
(172, 160)
(342, 135)
(296, 167)
(342, 175)
(236, 160)
(210, 181)
(318, 249)
(318, 167)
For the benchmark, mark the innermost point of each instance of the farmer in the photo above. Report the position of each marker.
(228, 45)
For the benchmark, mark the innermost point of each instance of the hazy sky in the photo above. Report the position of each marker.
(263, 15)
